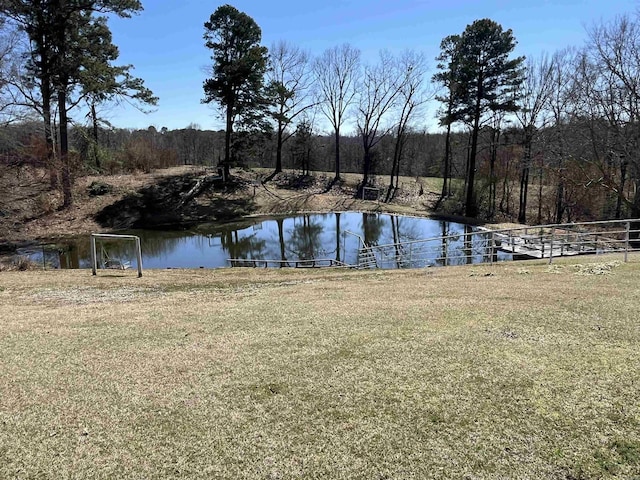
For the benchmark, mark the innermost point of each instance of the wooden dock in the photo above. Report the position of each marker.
(546, 246)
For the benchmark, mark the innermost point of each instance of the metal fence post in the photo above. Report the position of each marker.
(94, 260)
(626, 242)
(491, 247)
(553, 237)
(139, 255)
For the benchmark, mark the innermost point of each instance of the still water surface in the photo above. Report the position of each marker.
(299, 237)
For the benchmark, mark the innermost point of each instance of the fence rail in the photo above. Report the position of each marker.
(312, 263)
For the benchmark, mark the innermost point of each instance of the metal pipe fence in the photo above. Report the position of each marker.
(487, 246)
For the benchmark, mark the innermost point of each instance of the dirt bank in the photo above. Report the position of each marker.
(166, 199)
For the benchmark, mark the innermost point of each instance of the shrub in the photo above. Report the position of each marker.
(99, 188)
(19, 263)
(47, 203)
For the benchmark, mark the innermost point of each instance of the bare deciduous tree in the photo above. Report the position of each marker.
(535, 92)
(560, 104)
(381, 86)
(289, 84)
(336, 73)
(413, 95)
(610, 80)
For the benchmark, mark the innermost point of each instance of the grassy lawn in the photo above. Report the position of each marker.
(508, 371)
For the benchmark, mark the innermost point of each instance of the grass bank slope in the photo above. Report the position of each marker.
(510, 371)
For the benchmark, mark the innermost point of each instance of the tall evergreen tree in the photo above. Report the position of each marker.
(447, 63)
(486, 80)
(69, 46)
(239, 66)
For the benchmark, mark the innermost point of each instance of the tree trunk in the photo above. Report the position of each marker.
(524, 181)
(395, 168)
(560, 201)
(400, 157)
(337, 135)
(64, 150)
(278, 168)
(471, 208)
(447, 166)
(46, 93)
(397, 172)
(366, 168)
(623, 181)
(307, 161)
(505, 202)
(524, 190)
(54, 182)
(634, 212)
(394, 163)
(560, 193)
(227, 142)
(495, 138)
(94, 122)
(540, 195)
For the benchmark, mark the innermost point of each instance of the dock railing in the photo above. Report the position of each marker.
(484, 245)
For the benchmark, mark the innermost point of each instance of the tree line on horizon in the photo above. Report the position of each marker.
(558, 130)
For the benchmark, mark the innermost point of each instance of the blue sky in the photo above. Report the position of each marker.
(164, 42)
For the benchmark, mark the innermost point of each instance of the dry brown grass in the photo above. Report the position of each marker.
(17, 263)
(439, 373)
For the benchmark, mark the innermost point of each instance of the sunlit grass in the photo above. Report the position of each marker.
(510, 371)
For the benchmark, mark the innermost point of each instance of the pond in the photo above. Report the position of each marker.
(396, 240)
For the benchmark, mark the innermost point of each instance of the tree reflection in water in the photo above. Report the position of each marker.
(250, 247)
(288, 239)
(372, 225)
(304, 241)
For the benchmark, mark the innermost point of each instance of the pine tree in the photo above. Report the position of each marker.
(485, 79)
(237, 75)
